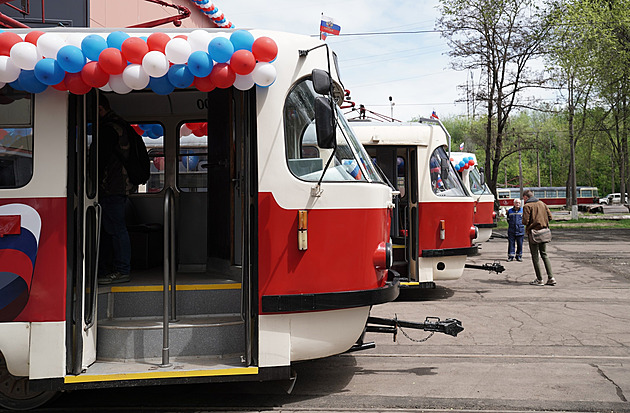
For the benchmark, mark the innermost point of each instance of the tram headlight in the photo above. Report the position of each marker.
(383, 256)
(474, 232)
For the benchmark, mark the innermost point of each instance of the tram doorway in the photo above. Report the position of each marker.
(193, 234)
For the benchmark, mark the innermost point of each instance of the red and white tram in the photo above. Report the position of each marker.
(432, 223)
(485, 216)
(248, 242)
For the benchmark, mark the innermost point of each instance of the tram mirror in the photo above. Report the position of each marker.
(321, 81)
(483, 176)
(445, 166)
(324, 123)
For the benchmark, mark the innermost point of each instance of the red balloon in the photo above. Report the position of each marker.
(157, 41)
(243, 62)
(138, 129)
(466, 166)
(181, 36)
(199, 132)
(76, 85)
(32, 37)
(7, 41)
(264, 49)
(134, 49)
(204, 84)
(471, 162)
(94, 75)
(112, 61)
(158, 162)
(61, 86)
(222, 75)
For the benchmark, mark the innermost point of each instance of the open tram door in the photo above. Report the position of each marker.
(84, 215)
(193, 235)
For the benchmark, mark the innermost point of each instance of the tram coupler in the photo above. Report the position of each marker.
(491, 267)
(450, 326)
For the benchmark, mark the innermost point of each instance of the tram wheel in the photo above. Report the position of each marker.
(15, 392)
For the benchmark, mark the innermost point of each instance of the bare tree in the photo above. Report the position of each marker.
(498, 38)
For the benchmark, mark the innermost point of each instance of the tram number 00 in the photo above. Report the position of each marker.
(202, 104)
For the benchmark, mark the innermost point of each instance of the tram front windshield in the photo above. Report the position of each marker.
(306, 160)
(476, 187)
(444, 186)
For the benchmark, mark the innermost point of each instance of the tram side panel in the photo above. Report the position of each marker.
(33, 254)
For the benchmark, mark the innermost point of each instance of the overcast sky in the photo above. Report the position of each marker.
(412, 68)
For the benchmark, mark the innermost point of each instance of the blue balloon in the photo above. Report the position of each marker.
(220, 49)
(16, 84)
(30, 83)
(200, 63)
(92, 46)
(242, 40)
(157, 130)
(116, 39)
(49, 72)
(180, 76)
(161, 85)
(190, 162)
(71, 59)
(461, 164)
(145, 126)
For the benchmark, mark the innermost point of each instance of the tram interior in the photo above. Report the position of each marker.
(197, 145)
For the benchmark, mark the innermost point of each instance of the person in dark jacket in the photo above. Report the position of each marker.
(536, 215)
(516, 231)
(114, 186)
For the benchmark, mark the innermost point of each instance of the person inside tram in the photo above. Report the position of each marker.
(114, 187)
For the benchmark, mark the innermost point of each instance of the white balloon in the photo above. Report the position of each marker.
(118, 85)
(9, 72)
(106, 88)
(199, 40)
(244, 82)
(135, 77)
(25, 55)
(264, 74)
(155, 64)
(49, 44)
(75, 39)
(177, 51)
(2, 85)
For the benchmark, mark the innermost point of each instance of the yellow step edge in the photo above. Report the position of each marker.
(191, 287)
(410, 283)
(238, 371)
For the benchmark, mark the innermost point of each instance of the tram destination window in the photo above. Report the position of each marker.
(306, 160)
(16, 138)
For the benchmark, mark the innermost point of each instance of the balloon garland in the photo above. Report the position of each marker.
(465, 163)
(213, 13)
(121, 63)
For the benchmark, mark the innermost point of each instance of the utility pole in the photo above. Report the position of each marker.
(391, 108)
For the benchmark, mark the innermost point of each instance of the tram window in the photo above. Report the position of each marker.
(192, 157)
(153, 137)
(446, 186)
(401, 174)
(539, 194)
(586, 193)
(305, 159)
(16, 138)
(476, 187)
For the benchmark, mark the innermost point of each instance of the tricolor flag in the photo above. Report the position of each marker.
(329, 26)
(434, 115)
(461, 146)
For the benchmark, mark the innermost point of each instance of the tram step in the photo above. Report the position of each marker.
(141, 338)
(147, 301)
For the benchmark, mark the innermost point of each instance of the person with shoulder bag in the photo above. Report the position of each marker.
(536, 217)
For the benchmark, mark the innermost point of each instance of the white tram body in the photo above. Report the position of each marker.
(485, 215)
(270, 264)
(432, 222)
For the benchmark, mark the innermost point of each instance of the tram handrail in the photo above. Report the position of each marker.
(99, 212)
(168, 234)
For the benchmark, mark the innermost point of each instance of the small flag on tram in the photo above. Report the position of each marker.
(434, 115)
(461, 146)
(329, 26)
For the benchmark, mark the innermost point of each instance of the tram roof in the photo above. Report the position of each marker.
(397, 133)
